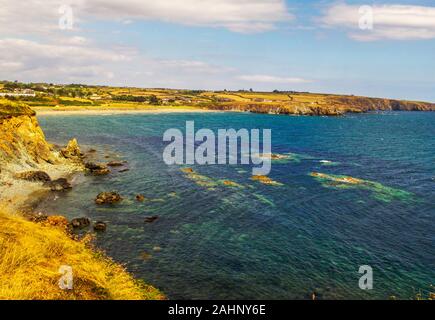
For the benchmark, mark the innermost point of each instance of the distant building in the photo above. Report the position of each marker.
(95, 97)
(19, 93)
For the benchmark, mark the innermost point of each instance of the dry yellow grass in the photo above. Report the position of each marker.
(31, 255)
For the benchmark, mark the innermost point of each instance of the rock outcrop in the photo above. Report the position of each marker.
(27, 161)
(21, 138)
(108, 198)
(72, 151)
(80, 223)
(35, 176)
(97, 169)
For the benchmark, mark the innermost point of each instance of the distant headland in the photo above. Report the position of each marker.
(47, 97)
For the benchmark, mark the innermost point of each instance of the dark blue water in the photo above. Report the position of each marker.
(260, 241)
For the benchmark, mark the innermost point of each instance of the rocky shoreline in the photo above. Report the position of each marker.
(30, 170)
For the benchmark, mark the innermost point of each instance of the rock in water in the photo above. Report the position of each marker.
(140, 197)
(80, 223)
(100, 226)
(115, 164)
(72, 150)
(151, 219)
(97, 169)
(108, 197)
(35, 176)
(60, 184)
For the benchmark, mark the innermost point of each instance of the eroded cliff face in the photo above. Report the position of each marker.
(23, 148)
(22, 142)
(325, 105)
(375, 104)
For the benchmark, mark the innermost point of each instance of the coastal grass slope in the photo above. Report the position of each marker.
(32, 253)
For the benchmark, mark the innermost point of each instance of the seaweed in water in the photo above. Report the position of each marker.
(381, 192)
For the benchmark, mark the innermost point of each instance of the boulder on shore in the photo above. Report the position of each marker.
(108, 198)
(60, 184)
(34, 176)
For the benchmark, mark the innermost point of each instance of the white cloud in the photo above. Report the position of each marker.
(34, 48)
(394, 22)
(35, 16)
(74, 41)
(31, 60)
(238, 16)
(272, 79)
(64, 62)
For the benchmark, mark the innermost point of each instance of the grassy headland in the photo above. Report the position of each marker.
(76, 97)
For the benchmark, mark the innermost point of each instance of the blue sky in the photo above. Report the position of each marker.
(315, 46)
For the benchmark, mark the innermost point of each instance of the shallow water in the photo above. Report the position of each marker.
(258, 241)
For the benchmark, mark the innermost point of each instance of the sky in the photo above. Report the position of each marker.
(370, 48)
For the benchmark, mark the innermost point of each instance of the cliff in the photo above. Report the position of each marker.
(22, 141)
(314, 104)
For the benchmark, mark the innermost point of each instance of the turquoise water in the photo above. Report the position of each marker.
(258, 241)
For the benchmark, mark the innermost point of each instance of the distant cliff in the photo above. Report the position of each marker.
(322, 105)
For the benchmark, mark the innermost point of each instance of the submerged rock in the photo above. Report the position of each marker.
(80, 223)
(151, 219)
(115, 164)
(381, 192)
(266, 180)
(140, 197)
(60, 184)
(108, 198)
(34, 176)
(339, 179)
(145, 256)
(100, 226)
(229, 183)
(101, 172)
(199, 179)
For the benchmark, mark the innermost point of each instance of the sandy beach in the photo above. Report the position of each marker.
(44, 111)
